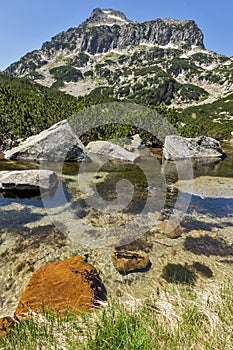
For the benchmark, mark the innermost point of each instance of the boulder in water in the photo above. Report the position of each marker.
(178, 147)
(111, 151)
(28, 180)
(57, 143)
(71, 284)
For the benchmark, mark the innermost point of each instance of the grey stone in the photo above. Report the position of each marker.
(108, 16)
(57, 143)
(136, 143)
(28, 180)
(177, 147)
(110, 150)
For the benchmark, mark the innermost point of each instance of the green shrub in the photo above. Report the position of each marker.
(80, 60)
(66, 73)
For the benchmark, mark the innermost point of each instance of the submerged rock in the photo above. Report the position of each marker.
(28, 180)
(128, 261)
(71, 284)
(57, 143)
(202, 269)
(170, 228)
(178, 273)
(110, 150)
(207, 186)
(202, 233)
(177, 147)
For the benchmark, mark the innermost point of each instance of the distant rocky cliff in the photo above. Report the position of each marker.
(108, 29)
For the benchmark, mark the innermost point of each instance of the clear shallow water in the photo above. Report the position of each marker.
(147, 181)
(28, 239)
(216, 207)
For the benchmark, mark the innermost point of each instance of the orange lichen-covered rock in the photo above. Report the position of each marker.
(71, 284)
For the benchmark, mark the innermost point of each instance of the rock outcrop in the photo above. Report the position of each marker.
(109, 29)
(128, 261)
(106, 17)
(111, 151)
(178, 147)
(57, 143)
(28, 180)
(71, 284)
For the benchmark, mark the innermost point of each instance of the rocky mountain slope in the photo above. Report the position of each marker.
(109, 55)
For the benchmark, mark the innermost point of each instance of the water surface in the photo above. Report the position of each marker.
(150, 180)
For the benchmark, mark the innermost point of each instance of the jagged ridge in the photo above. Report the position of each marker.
(109, 29)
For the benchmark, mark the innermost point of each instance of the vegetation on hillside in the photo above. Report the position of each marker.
(27, 108)
(212, 119)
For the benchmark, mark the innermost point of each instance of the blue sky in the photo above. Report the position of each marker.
(26, 24)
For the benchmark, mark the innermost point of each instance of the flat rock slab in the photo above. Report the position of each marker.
(70, 284)
(177, 147)
(29, 180)
(110, 150)
(207, 186)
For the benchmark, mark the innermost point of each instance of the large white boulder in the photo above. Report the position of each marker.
(57, 143)
(110, 150)
(178, 147)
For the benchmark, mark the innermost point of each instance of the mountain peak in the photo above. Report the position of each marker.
(107, 17)
(147, 62)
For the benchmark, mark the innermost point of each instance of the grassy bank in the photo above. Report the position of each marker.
(176, 318)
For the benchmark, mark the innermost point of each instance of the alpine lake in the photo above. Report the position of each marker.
(84, 216)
